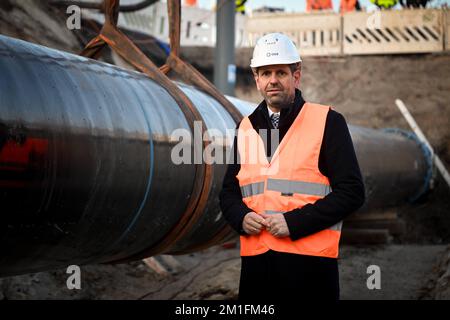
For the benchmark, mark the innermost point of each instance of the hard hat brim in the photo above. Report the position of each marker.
(256, 64)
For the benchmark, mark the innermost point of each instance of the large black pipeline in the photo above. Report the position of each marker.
(86, 174)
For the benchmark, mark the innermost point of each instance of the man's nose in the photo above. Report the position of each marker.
(273, 78)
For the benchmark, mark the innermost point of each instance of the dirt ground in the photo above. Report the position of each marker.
(407, 272)
(36, 22)
(363, 89)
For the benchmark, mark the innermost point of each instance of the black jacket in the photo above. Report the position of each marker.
(337, 161)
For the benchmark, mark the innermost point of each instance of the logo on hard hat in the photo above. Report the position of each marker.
(273, 42)
(271, 54)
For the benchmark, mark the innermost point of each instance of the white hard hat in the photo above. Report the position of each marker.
(274, 48)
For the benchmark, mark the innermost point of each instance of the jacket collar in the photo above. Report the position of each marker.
(286, 113)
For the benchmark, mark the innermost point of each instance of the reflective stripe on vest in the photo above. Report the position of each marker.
(288, 181)
(286, 187)
(289, 187)
(252, 189)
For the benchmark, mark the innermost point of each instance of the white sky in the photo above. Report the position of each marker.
(297, 5)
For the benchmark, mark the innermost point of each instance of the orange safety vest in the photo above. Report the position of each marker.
(289, 181)
(318, 5)
(190, 3)
(347, 6)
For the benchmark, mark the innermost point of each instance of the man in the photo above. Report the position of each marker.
(349, 6)
(318, 5)
(288, 204)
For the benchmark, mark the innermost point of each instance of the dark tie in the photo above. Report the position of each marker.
(275, 118)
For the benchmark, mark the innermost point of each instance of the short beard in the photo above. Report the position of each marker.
(283, 103)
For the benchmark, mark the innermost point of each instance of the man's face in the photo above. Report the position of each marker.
(277, 84)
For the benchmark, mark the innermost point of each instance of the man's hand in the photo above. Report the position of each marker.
(253, 223)
(277, 225)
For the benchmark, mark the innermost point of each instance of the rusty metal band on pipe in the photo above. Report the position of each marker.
(202, 181)
(110, 35)
(86, 167)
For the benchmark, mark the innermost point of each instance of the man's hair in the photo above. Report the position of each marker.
(293, 67)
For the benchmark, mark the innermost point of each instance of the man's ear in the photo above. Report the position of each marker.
(297, 76)
(255, 76)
